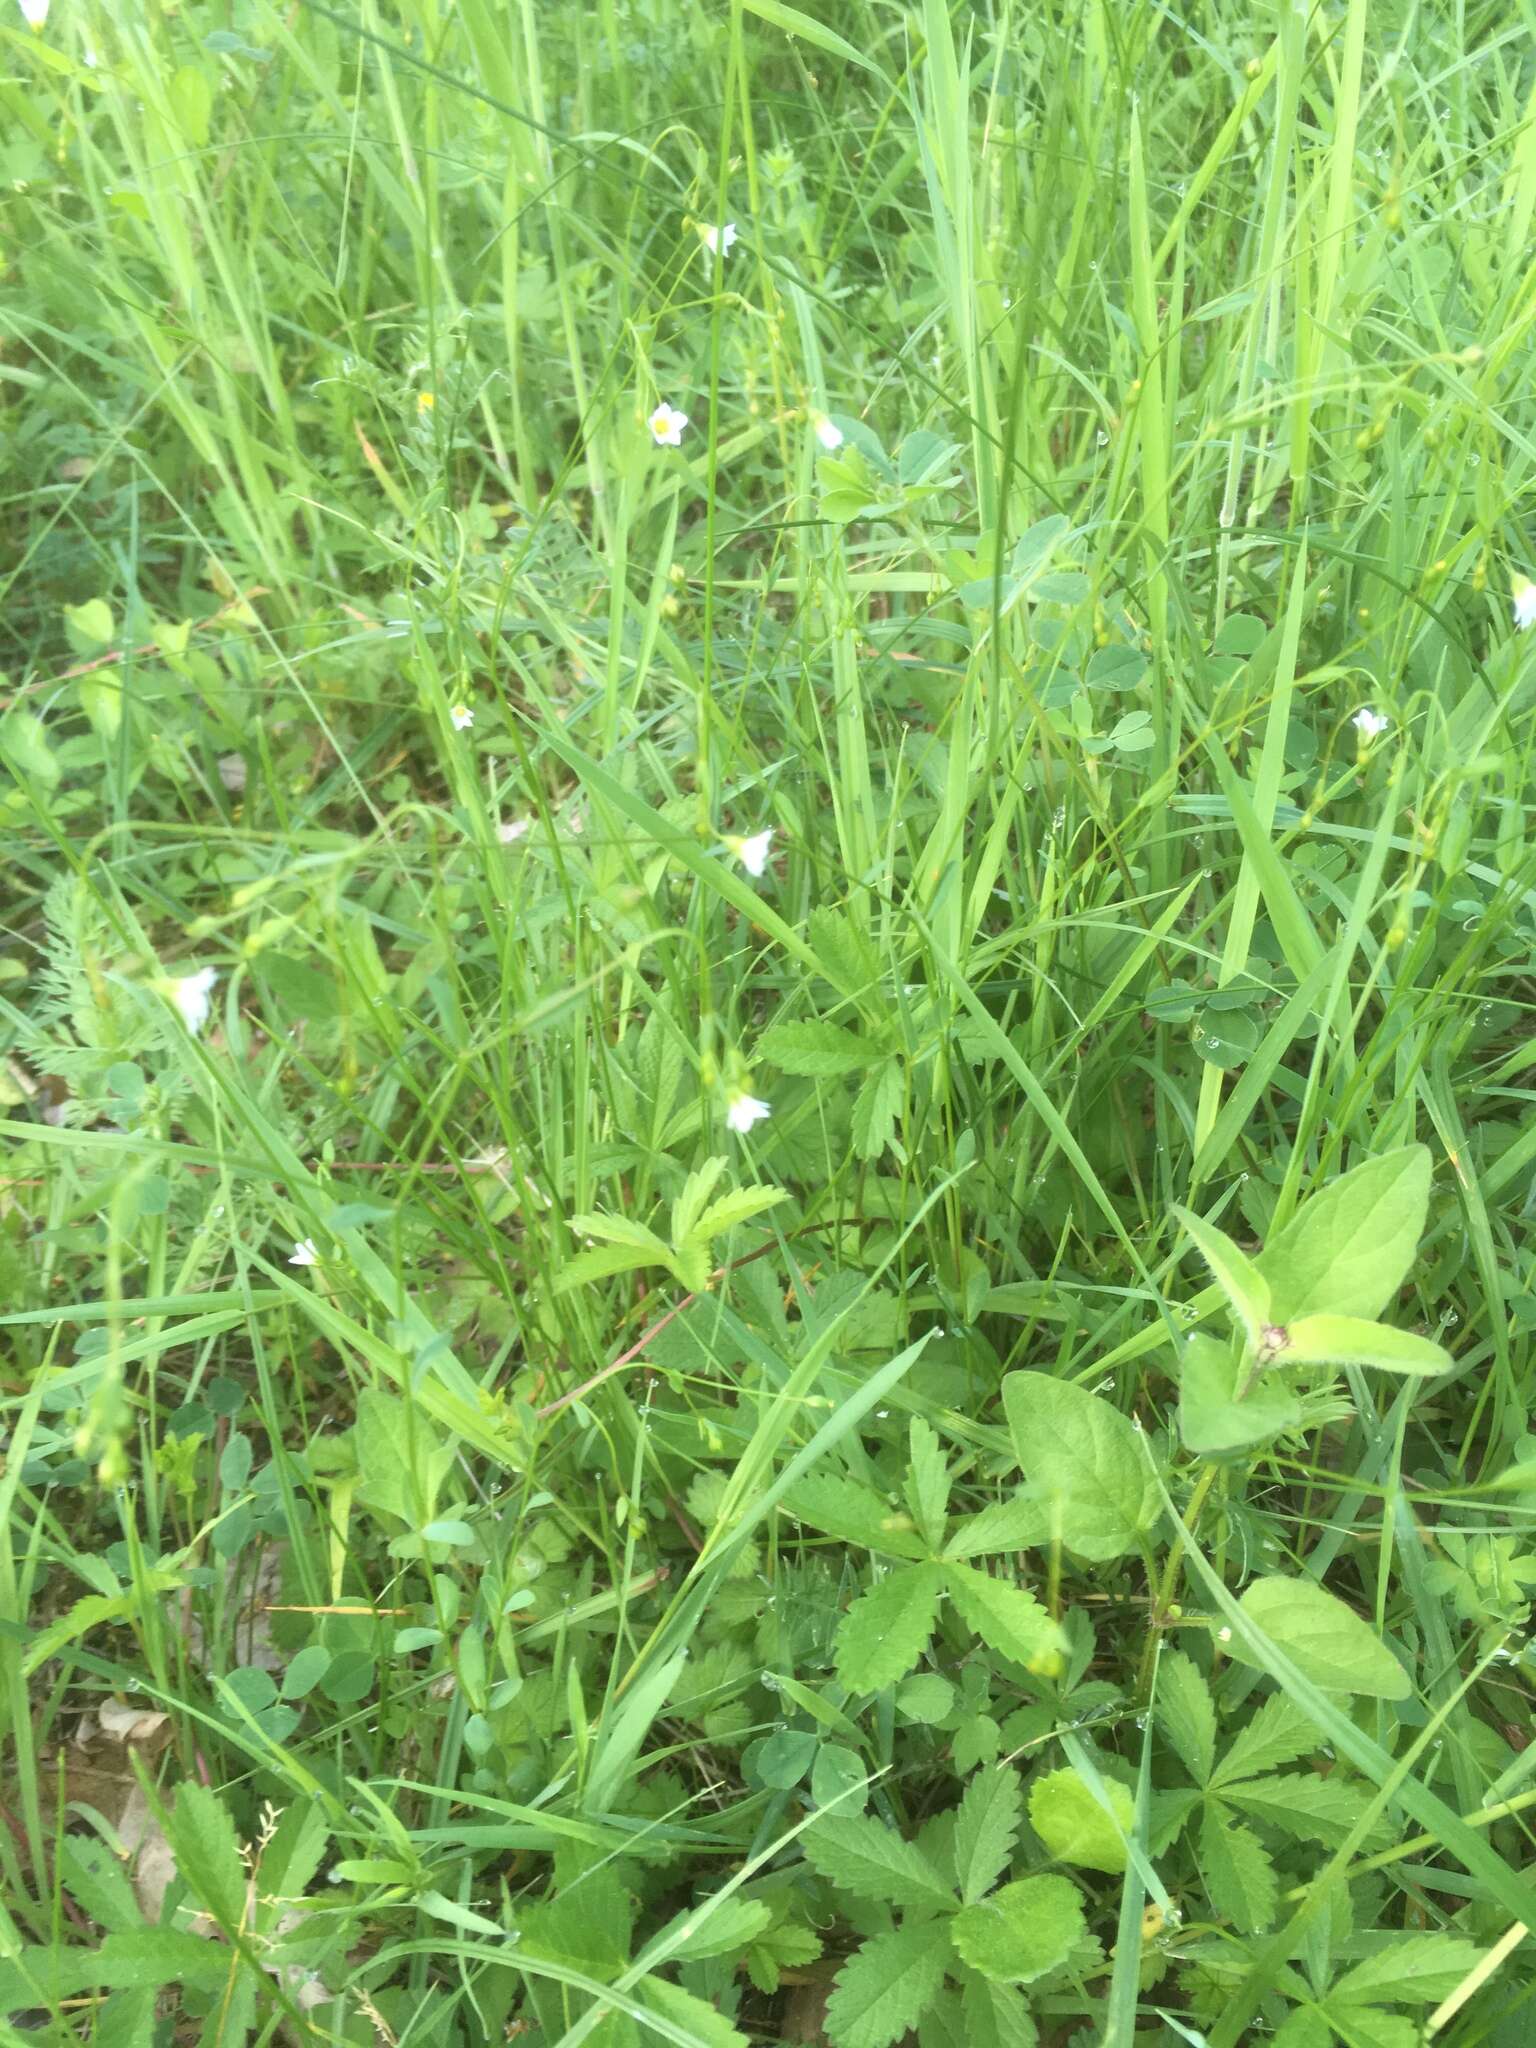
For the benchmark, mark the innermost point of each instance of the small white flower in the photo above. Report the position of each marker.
(753, 852)
(463, 718)
(511, 830)
(1370, 724)
(827, 433)
(193, 996)
(304, 1253)
(721, 238)
(1223, 1635)
(34, 12)
(1525, 604)
(666, 424)
(744, 1110)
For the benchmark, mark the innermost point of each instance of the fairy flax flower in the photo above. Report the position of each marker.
(304, 1253)
(666, 424)
(753, 852)
(463, 718)
(193, 997)
(742, 1110)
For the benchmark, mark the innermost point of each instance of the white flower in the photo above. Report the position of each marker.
(1370, 724)
(511, 830)
(34, 12)
(193, 996)
(304, 1253)
(666, 424)
(829, 435)
(744, 1110)
(721, 238)
(463, 718)
(753, 852)
(1525, 604)
(1223, 1635)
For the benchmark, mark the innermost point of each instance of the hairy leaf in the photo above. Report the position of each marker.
(872, 1861)
(887, 1629)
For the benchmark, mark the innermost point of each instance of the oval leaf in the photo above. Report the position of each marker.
(1325, 1639)
(1021, 1931)
(1081, 1456)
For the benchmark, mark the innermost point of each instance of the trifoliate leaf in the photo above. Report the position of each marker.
(1022, 1931)
(885, 1631)
(872, 1861)
(1075, 1828)
(1328, 1641)
(883, 1988)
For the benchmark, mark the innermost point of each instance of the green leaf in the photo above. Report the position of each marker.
(872, 1861)
(90, 626)
(623, 1230)
(785, 1758)
(812, 31)
(1326, 1640)
(927, 1482)
(1007, 1619)
(854, 1514)
(1081, 1456)
(721, 1929)
(1310, 1808)
(207, 1852)
(986, 1824)
(1366, 2026)
(876, 1108)
(1075, 1828)
(1021, 1931)
(1185, 1714)
(844, 954)
(925, 1697)
(1352, 1340)
(1212, 1421)
(705, 2022)
(1278, 1734)
(686, 1209)
(401, 1460)
(1305, 2028)
(817, 1050)
(1419, 1969)
(995, 2016)
(1347, 1251)
(887, 1629)
(740, 1206)
(1019, 1524)
(1239, 1878)
(1239, 1279)
(785, 1947)
(602, 1262)
(884, 1987)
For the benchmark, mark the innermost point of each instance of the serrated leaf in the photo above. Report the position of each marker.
(927, 1482)
(1278, 1734)
(818, 1051)
(872, 1861)
(1366, 2026)
(1417, 1969)
(1305, 2028)
(884, 1987)
(986, 1825)
(1239, 1878)
(854, 1514)
(1347, 1250)
(1239, 1279)
(207, 1851)
(1075, 1828)
(875, 1110)
(785, 1947)
(1019, 1524)
(705, 2023)
(843, 953)
(1185, 1714)
(1081, 1457)
(1007, 1619)
(737, 1207)
(602, 1262)
(1212, 1420)
(995, 2016)
(1021, 1931)
(887, 1629)
(686, 1209)
(1301, 1804)
(720, 1930)
(1325, 1639)
(1352, 1340)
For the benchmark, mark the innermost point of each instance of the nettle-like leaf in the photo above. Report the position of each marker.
(1081, 1457)
(1347, 1250)
(873, 1862)
(995, 2016)
(887, 1629)
(1186, 1714)
(927, 1482)
(855, 1514)
(1022, 1931)
(1007, 1618)
(1018, 1524)
(1278, 1734)
(1416, 1969)
(817, 1050)
(1325, 1639)
(876, 1108)
(986, 1825)
(885, 1987)
(1066, 1814)
(627, 1246)
(1239, 1878)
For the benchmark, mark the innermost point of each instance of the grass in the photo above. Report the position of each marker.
(464, 1635)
